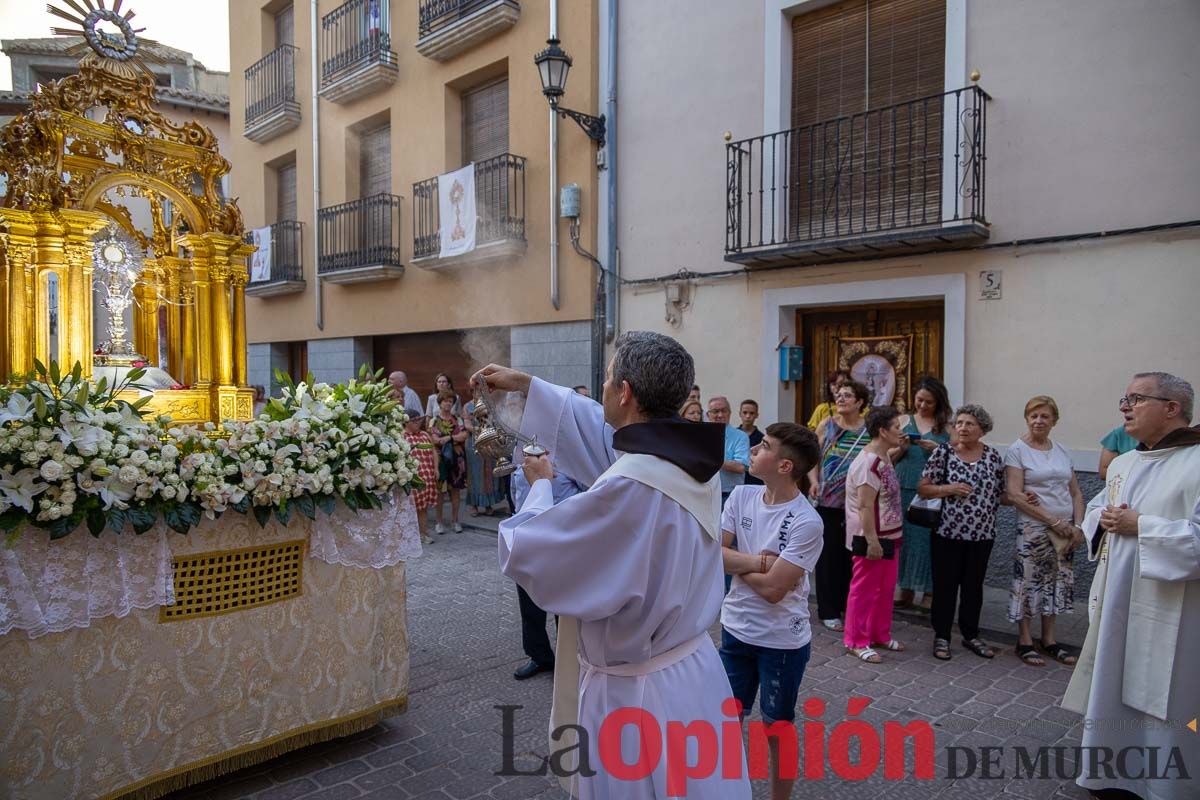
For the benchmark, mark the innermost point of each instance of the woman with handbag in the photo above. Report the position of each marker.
(842, 437)
(450, 436)
(874, 525)
(968, 476)
(923, 430)
(1042, 486)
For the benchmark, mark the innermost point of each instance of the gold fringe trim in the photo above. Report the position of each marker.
(251, 754)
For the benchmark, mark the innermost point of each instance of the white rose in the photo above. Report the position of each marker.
(138, 457)
(170, 452)
(128, 474)
(52, 470)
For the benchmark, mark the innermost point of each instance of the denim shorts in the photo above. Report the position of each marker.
(777, 672)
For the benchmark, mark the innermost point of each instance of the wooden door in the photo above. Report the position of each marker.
(457, 353)
(285, 26)
(285, 198)
(820, 328)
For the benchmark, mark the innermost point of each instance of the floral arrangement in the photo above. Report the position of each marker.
(73, 452)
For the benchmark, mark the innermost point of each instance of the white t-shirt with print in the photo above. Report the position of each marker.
(794, 531)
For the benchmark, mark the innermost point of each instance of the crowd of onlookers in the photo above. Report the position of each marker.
(873, 463)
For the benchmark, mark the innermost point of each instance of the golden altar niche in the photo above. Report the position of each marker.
(88, 141)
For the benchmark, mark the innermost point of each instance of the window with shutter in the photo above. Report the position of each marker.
(285, 27)
(485, 121)
(285, 193)
(375, 162)
(853, 172)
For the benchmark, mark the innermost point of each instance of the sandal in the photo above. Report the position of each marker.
(941, 649)
(865, 654)
(890, 644)
(979, 648)
(1059, 652)
(834, 625)
(1028, 654)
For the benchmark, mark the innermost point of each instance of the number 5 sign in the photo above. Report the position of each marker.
(989, 284)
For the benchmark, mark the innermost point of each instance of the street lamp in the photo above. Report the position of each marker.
(553, 65)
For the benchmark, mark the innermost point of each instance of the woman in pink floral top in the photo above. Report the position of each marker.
(873, 514)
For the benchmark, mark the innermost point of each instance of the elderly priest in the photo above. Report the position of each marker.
(1136, 681)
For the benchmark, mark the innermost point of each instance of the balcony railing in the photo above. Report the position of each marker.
(356, 41)
(446, 28)
(360, 240)
(499, 206)
(271, 86)
(907, 172)
(286, 248)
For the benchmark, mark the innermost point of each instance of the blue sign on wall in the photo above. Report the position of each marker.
(791, 362)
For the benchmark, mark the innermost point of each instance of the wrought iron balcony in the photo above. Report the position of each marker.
(449, 27)
(356, 41)
(904, 178)
(271, 107)
(360, 240)
(286, 269)
(499, 207)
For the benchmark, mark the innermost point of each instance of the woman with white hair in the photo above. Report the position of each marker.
(969, 477)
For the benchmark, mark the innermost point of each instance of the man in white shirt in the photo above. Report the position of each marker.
(402, 392)
(765, 634)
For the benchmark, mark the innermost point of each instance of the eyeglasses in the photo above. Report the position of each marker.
(1135, 399)
(845, 396)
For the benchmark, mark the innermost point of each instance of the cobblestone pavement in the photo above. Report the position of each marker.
(464, 636)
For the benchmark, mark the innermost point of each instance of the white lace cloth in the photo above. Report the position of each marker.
(372, 539)
(49, 586)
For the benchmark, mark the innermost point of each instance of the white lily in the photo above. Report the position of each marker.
(21, 488)
(114, 491)
(18, 409)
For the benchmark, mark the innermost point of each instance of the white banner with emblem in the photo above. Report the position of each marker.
(260, 262)
(456, 211)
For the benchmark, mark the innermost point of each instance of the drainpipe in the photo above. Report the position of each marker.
(553, 178)
(612, 282)
(316, 168)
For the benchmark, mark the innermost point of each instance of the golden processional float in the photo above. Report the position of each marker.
(92, 145)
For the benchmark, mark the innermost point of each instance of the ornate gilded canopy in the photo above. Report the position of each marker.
(87, 140)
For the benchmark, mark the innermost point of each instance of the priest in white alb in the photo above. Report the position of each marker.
(633, 567)
(1136, 682)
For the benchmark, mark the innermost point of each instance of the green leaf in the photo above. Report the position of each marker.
(117, 517)
(140, 403)
(283, 512)
(55, 375)
(39, 368)
(243, 507)
(82, 395)
(327, 503)
(262, 514)
(350, 500)
(305, 505)
(60, 528)
(39, 406)
(77, 371)
(191, 513)
(102, 386)
(176, 520)
(10, 521)
(95, 521)
(143, 519)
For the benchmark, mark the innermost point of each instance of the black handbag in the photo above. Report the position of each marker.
(926, 512)
(858, 547)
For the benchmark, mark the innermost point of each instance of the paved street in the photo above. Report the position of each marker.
(464, 635)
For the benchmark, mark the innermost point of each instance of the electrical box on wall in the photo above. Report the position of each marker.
(569, 201)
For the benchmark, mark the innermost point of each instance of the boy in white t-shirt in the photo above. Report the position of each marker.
(765, 633)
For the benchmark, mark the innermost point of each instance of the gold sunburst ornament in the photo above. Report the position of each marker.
(120, 42)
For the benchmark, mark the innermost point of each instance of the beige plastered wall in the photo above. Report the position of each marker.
(423, 109)
(1086, 132)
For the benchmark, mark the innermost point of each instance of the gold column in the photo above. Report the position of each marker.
(20, 338)
(186, 315)
(4, 328)
(201, 312)
(238, 286)
(75, 293)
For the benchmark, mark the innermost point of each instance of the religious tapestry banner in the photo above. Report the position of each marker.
(882, 364)
(260, 262)
(456, 211)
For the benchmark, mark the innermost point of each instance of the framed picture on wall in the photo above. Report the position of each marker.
(881, 363)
